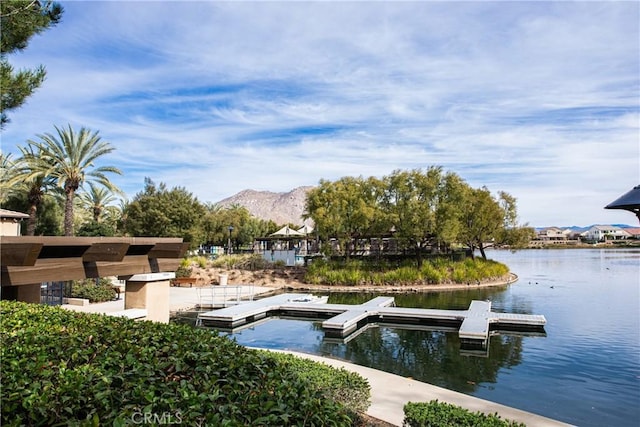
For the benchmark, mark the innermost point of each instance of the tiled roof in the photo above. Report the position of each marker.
(5, 213)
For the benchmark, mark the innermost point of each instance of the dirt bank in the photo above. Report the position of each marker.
(292, 278)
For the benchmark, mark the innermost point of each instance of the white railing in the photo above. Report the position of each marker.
(224, 295)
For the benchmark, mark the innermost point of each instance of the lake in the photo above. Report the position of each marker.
(585, 371)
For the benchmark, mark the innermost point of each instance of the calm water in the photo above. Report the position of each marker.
(585, 371)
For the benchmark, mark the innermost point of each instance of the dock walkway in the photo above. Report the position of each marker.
(474, 324)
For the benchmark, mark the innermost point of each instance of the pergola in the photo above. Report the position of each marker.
(28, 261)
(629, 201)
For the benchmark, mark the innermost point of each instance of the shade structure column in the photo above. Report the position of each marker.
(25, 293)
(150, 292)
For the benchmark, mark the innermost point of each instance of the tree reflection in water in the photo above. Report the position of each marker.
(430, 356)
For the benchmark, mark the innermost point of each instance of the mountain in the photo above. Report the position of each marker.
(281, 208)
(579, 229)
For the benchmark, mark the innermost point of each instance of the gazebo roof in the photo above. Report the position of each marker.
(286, 231)
(629, 201)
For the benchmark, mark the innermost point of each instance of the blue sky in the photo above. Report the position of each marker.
(539, 99)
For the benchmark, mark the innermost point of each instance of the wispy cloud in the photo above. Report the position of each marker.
(540, 99)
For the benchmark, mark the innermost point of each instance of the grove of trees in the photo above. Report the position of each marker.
(421, 209)
(56, 166)
(424, 211)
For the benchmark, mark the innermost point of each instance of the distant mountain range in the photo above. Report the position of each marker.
(579, 229)
(288, 207)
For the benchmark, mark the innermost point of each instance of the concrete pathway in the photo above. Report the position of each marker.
(389, 394)
(182, 299)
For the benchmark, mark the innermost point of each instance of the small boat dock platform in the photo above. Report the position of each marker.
(474, 324)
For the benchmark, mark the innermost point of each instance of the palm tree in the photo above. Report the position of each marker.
(8, 176)
(97, 200)
(74, 154)
(35, 179)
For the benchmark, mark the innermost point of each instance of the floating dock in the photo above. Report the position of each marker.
(474, 324)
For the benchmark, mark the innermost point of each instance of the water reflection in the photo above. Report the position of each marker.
(429, 356)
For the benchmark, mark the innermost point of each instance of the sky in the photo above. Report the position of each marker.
(538, 99)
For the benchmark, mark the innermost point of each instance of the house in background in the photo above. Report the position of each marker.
(551, 235)
(634, 232)
(10, 222)
(601, 233)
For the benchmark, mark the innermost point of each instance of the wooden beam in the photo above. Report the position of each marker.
(131, 264)
(19, 253)
(44, 270)
(106, 252)
(168, 264)
(88, 241)
(169, 250)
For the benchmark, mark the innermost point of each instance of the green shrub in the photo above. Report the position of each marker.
(241, 261)
(183, 271)
(67, 368)
(433, 271)
(341, 385)
(402, 276)
(89, 289)
(201, 261)
(436, 414)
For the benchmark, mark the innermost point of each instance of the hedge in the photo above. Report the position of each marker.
(439, 414)
(89, 289)
(67, 368)
(339, 384)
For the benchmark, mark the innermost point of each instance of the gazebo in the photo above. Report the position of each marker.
(629, 201)
(287, 245)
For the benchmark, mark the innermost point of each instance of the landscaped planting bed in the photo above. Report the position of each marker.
(64, 367)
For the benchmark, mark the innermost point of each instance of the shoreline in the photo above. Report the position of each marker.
(291, 279)
(390, 392)
(449, 287)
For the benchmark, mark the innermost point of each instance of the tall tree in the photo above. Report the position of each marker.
(246, 228)
(35, 180)
(97, 199)
(346, 209)
(74, 155)
(48, 218)
(9, 176)
(160, 212)
(412, 201)
(450, 207)
(513, 235)
(482, 221)
(20, 20)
